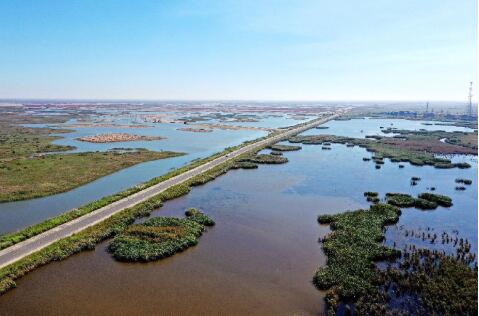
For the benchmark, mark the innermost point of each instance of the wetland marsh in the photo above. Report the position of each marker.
(261, 256)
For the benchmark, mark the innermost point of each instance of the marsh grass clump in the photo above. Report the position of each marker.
(159, 237)
(244, 165)
(401, 166)
(424, 204)
(196, 215)
(406, 200)
(278, 147)
(416, 152)
(441, 200)
(352, 248)
(464, 181)
(267, 159)
(366, 159)
(460, 188)
(276, 153)
(424, 282)
(400, 199)
(371, 194)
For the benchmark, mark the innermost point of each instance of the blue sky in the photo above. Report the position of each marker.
(249, 50)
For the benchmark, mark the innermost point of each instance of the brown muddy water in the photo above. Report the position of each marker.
(259, 259)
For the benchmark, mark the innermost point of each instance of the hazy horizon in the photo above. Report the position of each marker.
(267, 51)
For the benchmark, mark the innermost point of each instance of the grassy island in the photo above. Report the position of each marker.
(397, 150)
(425, 201)
(159, 237)
(437, 198)
(278, 147)
(267, 159)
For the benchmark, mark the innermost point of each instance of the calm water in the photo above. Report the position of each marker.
(20, 214)
(260, 257)
(368, 126)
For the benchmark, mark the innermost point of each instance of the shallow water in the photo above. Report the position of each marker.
(260, 257)
(20, 214)
(359, 128)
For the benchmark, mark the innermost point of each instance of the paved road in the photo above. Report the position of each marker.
(29, 246)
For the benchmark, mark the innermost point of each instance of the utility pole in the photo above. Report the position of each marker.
(470, 99)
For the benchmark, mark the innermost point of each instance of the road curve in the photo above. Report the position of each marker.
(22, 249)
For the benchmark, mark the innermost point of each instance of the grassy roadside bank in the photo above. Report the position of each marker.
(23, 179)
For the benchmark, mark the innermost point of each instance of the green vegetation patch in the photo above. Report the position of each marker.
(400, 199)
(352, 248)
(426, 282)
(159, 237)
(267, 159)
(196, 215)
(22, 179)
(406, 200)
(284, 147)
(437, 198)
(397, 150)
(244, 165)
(465, 181)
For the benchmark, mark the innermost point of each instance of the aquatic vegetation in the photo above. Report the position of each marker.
(244, 165)
(159, 237)
(397, 150)
(378, 166)
(460, 188)
(415, 178)
(401, 166)
(371, 194)
(366, 159)
(400, 199)
(326, 148)
(198, 216)
(421, 282)
(424, 204)
(278, 147)
(437, 198)
(465, 142)
(464, 181)
(352, 248)
(266, 159)
(277, 153)
(406, 200)
(425, 282)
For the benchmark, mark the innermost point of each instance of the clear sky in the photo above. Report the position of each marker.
(249, 50)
